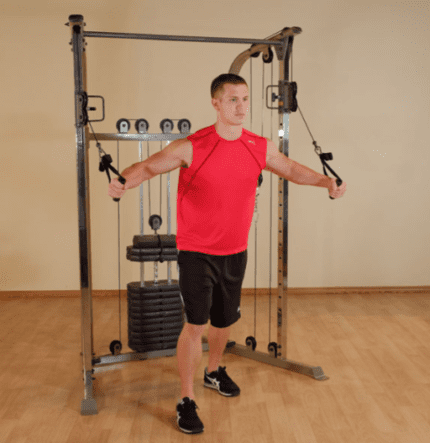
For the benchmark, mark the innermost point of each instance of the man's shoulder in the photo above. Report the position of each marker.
(253, 136)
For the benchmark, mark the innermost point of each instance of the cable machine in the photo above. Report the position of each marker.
(282, 43)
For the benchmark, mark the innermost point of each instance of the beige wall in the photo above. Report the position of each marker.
(362, 69)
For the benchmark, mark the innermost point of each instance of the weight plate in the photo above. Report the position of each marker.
(147, 316)
(156, 319)
(153, 241)
(143, 328)
(154, 335)
(150, 291)
(151, 304)
(148, 348)
(137, 339)
(162, 286)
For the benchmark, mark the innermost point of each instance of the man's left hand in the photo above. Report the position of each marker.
(335, 191)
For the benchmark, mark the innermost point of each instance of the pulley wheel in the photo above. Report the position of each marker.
(184, 126)
(142, 126)
(269, 58)
(155, 221)
(166, 126)
(251, 342)
(273, 348)
(115, 347)
(123, 125)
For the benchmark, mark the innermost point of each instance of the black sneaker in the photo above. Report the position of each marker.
(188, 420)
(220, 381)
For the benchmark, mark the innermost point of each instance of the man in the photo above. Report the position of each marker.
(216, 197)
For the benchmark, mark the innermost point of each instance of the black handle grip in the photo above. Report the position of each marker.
(338, 183)
(122, 180)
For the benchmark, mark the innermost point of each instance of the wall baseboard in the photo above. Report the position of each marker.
(361, 290)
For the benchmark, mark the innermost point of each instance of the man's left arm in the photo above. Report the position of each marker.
(290, 170)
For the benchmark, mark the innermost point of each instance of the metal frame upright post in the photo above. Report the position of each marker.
(77, 24)
(278, 356)
(284, 56)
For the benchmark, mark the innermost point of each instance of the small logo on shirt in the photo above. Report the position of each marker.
(250, 141)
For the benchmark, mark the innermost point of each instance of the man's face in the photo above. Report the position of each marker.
(233, 105)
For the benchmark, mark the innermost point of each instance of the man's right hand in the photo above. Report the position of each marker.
(116, 189)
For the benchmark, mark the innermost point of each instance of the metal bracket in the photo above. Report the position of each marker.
(274, 96)
(281, 51)
(287, 96)
(288, 91)
(95, 109)
(82, 108)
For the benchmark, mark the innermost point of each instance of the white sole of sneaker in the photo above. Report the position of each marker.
(186, 431)
(216, 389)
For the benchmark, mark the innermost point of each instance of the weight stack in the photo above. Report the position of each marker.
(155, 316)
(153, 248)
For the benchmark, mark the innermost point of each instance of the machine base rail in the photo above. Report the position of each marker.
(100, 363)
(315, 372)
(107, 363)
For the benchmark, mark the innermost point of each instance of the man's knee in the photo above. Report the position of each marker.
(194, 331)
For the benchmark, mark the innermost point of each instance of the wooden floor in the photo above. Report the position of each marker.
(375, 349)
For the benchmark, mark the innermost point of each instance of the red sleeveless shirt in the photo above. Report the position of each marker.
(216, 194)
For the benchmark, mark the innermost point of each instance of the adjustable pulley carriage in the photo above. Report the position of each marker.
(155, 314)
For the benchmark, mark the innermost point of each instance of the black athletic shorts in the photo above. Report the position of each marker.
(210, 287)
